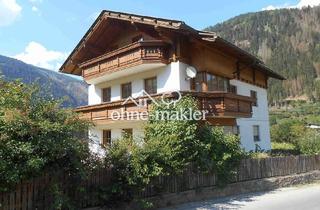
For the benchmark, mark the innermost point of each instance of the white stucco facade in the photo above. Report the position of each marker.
(170, 78)
(260, 117)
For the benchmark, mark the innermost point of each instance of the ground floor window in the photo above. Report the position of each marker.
(256, 133)
(253, 95)
(231, 129)
(106, 137)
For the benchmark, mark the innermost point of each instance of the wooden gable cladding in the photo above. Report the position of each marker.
(113, 35)
(261, 79)
(211, 61)
(249, 74)
(220, 63)
(109, 35)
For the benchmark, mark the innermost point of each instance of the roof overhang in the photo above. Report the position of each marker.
(70, 66)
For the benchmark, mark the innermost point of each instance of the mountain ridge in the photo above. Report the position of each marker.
(54, 83)
(287, 40)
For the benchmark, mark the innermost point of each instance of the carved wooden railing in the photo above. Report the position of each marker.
(218, 104)
(131, 55)
(223, 104)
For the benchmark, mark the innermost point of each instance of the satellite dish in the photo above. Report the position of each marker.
(191, 72)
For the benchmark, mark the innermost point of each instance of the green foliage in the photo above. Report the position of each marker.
(219, 153)
(169, 146)
(283, 149)
(133, 167)
(60, 200)
(37, 136)
(283, 146)
(178, 136)
(287, 130)
(309, 143)
(259, 155)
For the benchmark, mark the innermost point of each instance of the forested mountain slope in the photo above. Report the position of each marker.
(288, 41)
(53, 83)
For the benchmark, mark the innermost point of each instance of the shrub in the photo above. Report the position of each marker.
(259, 155)
(179, 137)
(287, 130)
(219, 153)
(309, 143)
(283, 146)
(169, 146)
(281, 149)
(37, 136)
(133, 167)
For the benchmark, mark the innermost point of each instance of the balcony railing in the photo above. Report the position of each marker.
(142, 52)
(223, 104)
(218, 104)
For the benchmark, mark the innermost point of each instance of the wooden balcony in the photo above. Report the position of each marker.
(218, 104)
(222, 104)
(143, 52)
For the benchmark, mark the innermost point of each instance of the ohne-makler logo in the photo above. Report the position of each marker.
(142, 99)
(169, 99)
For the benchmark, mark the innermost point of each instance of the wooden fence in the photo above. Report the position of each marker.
(34, 194)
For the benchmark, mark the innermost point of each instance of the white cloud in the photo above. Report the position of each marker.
(301, 4)
(35, 1)
(34, 8)
(9, 11)
(270, 7)
(305, 3)
(36, 54)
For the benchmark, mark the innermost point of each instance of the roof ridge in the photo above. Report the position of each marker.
(143, 16)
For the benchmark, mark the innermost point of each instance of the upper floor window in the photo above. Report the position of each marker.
(254, 95)
(233, 89)
(126, 90)
(209, 82)
(216, 83)
(150, 85)
(106, 137)
(256, 133)
(106, 94)
(198, 82)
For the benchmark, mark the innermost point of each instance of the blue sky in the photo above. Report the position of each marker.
(43, 32)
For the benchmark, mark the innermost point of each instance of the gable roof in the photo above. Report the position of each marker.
(70, 65)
